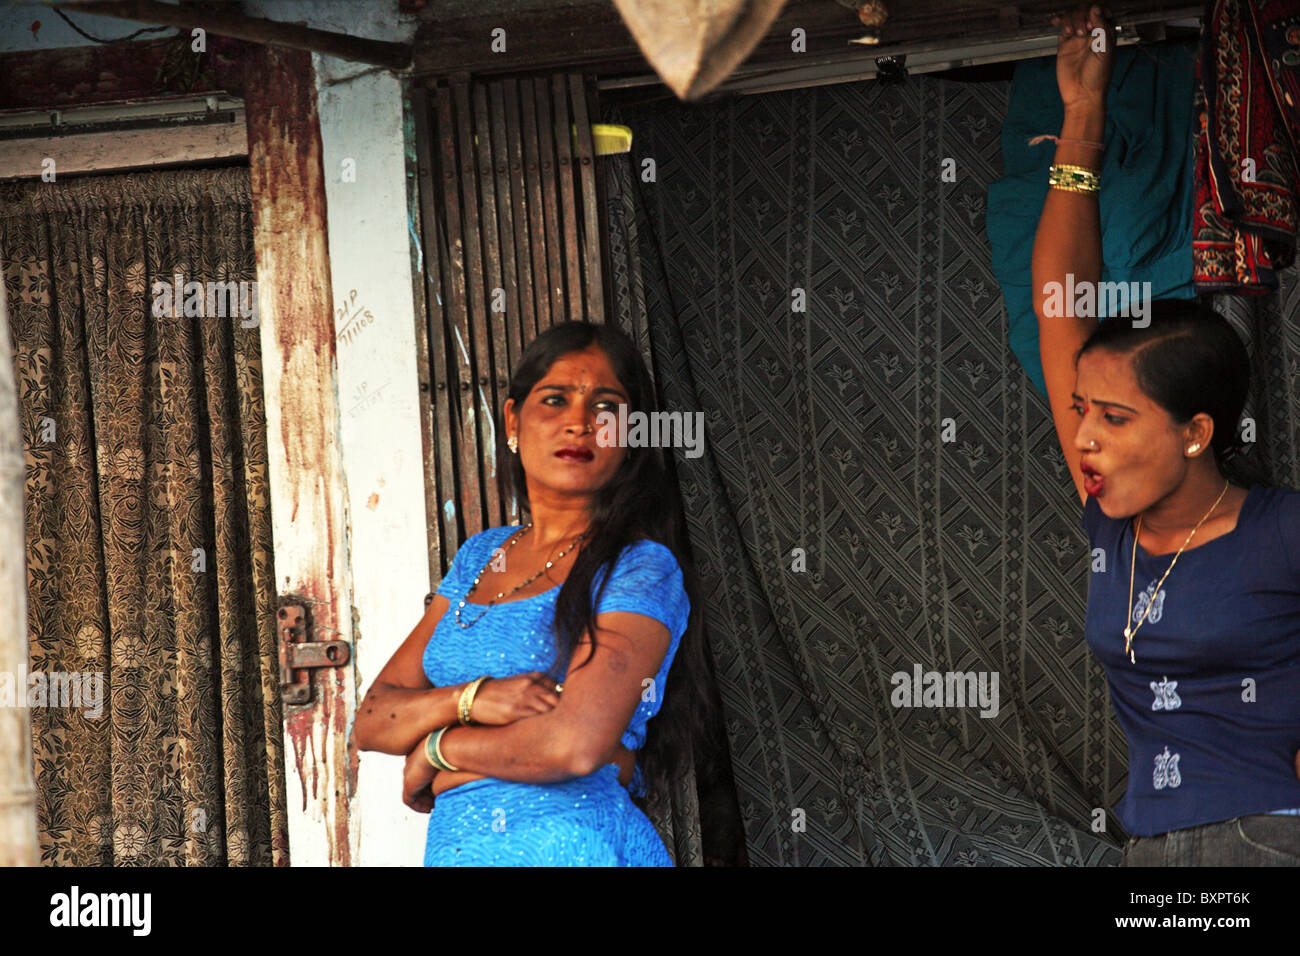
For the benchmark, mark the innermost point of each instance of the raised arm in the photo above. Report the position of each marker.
(1068, 240)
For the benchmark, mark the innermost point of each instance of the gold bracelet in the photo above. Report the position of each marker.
(437, 749)
(467, 699)
(1070, 168)
(1075, 179)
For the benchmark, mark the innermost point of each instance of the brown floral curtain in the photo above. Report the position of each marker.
(149, 560)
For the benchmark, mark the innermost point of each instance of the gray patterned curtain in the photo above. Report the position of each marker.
(887, 432)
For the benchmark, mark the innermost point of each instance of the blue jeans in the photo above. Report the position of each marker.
(1258, 840)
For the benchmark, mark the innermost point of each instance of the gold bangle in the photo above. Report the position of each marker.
(1071, 168)
(467, 699)
(1073, 178)
(437, 749)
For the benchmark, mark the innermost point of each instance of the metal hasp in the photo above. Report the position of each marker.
(298, 655)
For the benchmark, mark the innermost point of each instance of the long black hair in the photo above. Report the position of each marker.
(1190, 360)
(639, 501)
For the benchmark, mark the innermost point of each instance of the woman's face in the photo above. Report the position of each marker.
(1131, 451)
(556, 426)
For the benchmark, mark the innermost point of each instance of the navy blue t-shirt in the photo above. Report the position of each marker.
(1211, 708)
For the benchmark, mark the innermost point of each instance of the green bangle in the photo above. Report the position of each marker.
(433, 751)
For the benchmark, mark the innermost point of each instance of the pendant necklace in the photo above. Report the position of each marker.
(1130, 631)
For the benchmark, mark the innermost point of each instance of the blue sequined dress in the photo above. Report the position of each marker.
(585, 821)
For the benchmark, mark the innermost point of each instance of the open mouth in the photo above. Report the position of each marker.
(1092, 481)
(575, 454)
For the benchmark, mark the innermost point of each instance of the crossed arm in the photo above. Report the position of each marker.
(583, 731)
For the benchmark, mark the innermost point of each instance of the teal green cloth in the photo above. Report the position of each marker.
(1147, 180)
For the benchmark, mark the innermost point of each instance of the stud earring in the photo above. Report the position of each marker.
(1193, 449)
(513, 442)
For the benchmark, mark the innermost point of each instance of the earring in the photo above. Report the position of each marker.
(513, 442)
(1193, 449)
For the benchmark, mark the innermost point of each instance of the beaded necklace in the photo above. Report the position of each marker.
(523, 584)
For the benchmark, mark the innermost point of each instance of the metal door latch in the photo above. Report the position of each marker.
(303, 655)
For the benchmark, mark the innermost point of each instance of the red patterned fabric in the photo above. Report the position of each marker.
(1248, 145)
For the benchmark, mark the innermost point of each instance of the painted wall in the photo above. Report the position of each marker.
(30, 25)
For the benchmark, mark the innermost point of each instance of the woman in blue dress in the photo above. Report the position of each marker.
(1194, 595)
(525, 695)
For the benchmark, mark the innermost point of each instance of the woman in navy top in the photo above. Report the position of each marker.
(1194, 594)
(578, 620)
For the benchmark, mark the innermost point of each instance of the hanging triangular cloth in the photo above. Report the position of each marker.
(695, 44)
